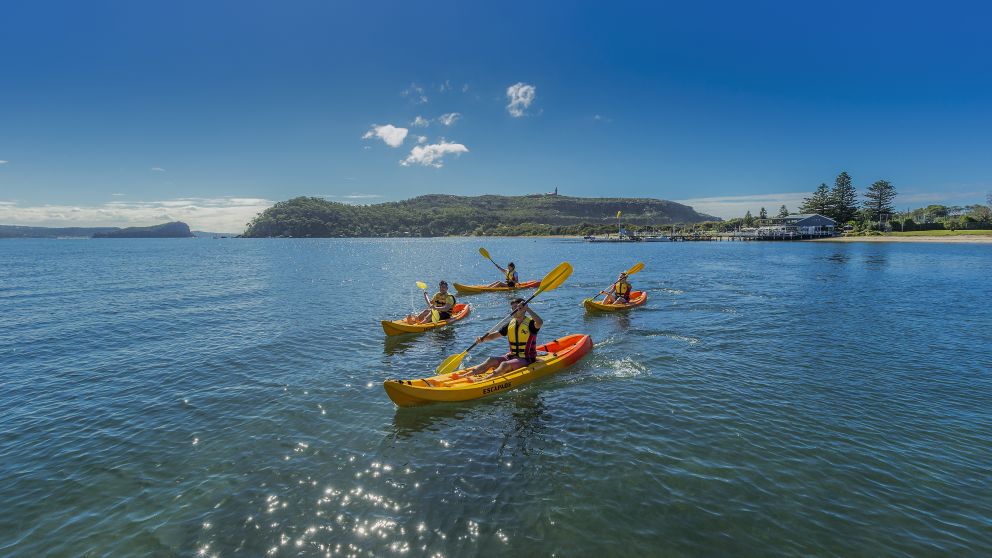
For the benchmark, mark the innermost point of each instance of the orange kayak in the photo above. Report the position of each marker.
(637, 298)
(399, 327)
(484, 289)
(560, 354)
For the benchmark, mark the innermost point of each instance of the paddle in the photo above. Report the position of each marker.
(637, 267)
(485, 254)
(434, 313)
(551, 281)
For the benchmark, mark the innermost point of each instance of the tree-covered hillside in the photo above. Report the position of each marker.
(443, 215)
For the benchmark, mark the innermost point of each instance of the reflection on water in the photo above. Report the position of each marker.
(205, 398)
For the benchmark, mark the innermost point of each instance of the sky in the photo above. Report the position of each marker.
(134, 113)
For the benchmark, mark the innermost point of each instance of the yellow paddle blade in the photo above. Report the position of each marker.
(555, 278)
(421, 285)
(450, 364)
(485, 253)
(637, 267)
(435, 316)
(618, 214)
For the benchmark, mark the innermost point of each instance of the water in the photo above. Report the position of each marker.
(223, 397)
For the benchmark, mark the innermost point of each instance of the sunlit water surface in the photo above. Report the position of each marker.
(224, 398)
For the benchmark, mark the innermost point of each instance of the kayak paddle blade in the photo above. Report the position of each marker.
(421, 285)
(450, 364)
(637, 267)
(435, 316)
(555, 278)
(485, 253)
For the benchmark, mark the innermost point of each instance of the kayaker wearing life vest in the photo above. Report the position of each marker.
(443, 302)
(521, 332)
(509, 276)
(619, 293)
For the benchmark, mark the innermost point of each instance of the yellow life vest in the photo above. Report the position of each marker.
(622, 289)
(509, 276)
(522, 338)
(443, 299)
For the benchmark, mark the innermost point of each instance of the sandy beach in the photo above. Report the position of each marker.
(964, 239)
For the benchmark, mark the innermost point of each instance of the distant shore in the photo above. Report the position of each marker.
(963, 239)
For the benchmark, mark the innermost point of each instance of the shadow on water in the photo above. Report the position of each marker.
(413, 420)
(528, 412)
(398, 344)
(529, 415)
(620, 319)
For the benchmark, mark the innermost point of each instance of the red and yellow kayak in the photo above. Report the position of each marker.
(400, 327)
(637, 298)
(561, 353)
(484, 289)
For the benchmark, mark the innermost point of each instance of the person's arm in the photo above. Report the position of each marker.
(447, 306)
(538, 322)
(488, 337)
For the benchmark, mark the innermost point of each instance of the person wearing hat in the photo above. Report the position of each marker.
(619, 293)
(510, 278)
(442, 303)
(521, 332)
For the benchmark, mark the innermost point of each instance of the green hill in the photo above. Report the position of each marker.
(176, 229)
(444, 215)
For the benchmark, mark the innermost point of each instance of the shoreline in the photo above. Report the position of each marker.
(962, 239)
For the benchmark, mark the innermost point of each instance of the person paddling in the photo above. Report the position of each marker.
(619, 293)
(521, 332)
(442, 302)
(510, 278)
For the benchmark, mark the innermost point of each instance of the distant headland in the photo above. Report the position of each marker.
(176, 229)
(448, 215)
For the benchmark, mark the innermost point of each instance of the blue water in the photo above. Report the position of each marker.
(223, 397)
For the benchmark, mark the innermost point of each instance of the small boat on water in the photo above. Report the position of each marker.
(612, 238)
(471, 289)
(400, 327)
(637, 298)
(557, 355)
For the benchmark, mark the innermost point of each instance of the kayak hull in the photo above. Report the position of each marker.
(637, 298)
(562, 353)
(484, 289)
(400, 327)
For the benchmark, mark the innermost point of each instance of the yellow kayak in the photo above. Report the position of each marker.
(399, 327)
(637, 298)
(561, 353)
(484, 289)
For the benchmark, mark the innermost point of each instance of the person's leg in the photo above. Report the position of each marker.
(509, 366)
(609, 299)
(479, 368)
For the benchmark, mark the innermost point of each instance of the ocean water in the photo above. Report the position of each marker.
(223, 398)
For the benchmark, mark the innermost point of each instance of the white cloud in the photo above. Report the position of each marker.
(601, 118)
(421, 139)
(391, 135)
(736, 206)
(446, 86)
(415, 93)
(465, 88)
(158, 169)
(116, 194)
(433, 155)
(449, 119)
(210, 214)
(4, 162)
(520, 95)
(420, 122)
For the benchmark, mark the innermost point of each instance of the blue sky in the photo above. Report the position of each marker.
(134, 112)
